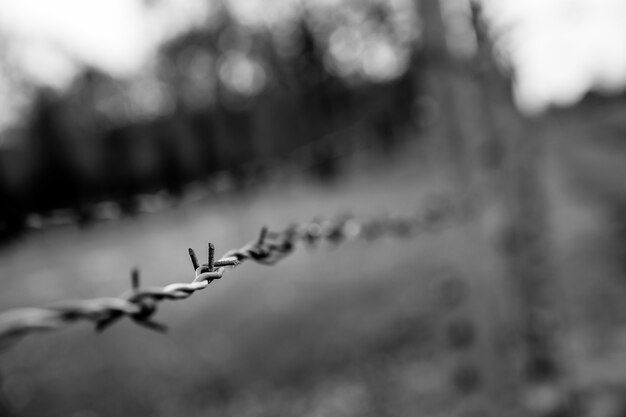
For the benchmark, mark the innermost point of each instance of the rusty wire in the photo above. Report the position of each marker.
(140, 303)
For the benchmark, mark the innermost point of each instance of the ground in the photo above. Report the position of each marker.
(397, 327)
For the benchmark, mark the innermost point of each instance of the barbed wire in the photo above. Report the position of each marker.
(140, 303)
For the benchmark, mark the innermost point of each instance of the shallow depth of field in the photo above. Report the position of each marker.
(512, 307)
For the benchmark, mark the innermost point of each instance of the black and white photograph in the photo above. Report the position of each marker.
(313, 208)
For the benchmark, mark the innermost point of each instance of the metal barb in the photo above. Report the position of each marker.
(194, 259)
(211, 257)
(134, 279)
(262, 236)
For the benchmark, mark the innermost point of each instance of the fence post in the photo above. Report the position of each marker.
(519, 176)
(458, 150)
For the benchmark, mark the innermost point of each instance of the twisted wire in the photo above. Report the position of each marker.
(140, 303)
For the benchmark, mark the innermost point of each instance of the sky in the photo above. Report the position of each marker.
(119, 36)
(562, 48)
(559, 48)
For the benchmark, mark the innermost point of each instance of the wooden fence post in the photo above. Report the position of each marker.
(520, 186)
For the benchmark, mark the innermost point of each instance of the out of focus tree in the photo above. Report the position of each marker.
(225, 97)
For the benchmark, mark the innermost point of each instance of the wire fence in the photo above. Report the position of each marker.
(140, 303)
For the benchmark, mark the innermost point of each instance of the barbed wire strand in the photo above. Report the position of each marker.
(140, 303)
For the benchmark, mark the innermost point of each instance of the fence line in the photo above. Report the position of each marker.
(140, 303)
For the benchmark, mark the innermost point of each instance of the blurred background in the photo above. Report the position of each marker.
(131, 130)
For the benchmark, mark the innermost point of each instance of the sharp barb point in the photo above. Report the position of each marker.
(211, 257)
(152, 325)
(262, 235)
(134, 279)
(194, 259)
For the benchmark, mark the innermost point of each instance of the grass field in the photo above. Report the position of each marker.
(358, 330)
